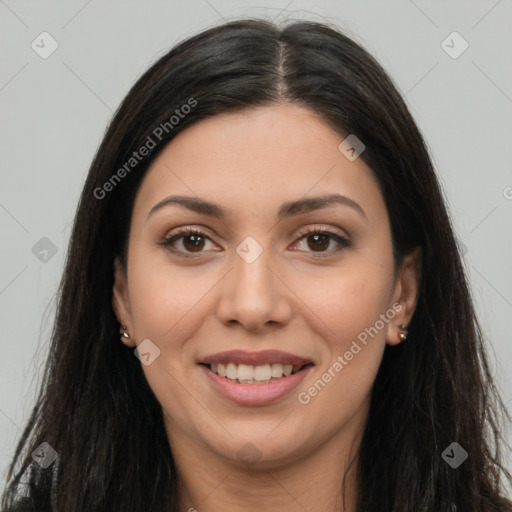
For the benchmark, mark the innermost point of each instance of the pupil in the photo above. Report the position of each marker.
(196, 241)
(319, 241)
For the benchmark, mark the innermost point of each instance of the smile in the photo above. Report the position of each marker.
(257, 378)
(250, 374)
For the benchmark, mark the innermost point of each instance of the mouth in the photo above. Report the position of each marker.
(252, 374)
(257, 378)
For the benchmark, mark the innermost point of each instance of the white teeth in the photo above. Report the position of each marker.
(249, 374)
(231, 372)
(262, 372)
(245, 372)
(277, 370)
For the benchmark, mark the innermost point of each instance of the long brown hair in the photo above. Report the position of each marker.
(95, 407)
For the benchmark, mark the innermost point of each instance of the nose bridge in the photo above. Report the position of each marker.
(253, 295)
(251, 275)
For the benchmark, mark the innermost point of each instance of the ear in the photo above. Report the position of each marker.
(405, 293)
(121, 301)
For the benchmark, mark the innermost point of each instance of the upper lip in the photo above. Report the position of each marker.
(256, 358)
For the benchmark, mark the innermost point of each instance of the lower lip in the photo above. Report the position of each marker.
(256, 394)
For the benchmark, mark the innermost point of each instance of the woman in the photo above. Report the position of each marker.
(263, 306)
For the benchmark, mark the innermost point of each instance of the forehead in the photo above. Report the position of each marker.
(257, 159)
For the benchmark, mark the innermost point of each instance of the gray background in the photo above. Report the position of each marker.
(54, 112)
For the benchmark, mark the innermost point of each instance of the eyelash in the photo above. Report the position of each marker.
(303, 233)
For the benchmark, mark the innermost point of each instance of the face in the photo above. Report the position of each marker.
(269, 281)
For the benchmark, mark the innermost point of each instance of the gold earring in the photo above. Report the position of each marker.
(122, 330)
(403, 335)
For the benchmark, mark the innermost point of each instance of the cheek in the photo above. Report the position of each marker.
(353, 306)
(167, 307)
(165, 298)
(358, 302)
(348, 299)
(352, 309)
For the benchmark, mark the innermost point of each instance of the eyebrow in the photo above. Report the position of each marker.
(288, 209)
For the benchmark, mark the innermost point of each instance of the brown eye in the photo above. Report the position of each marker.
(318, 242)
(186, 241)
(189, 242)
(193, 243)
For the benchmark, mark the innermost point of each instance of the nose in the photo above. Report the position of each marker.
(254, 296)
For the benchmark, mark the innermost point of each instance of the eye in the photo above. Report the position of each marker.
(194, 241)
(319, 239)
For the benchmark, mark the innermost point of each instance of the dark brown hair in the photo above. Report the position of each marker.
(95, 407)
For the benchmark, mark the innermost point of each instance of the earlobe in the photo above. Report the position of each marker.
(121, 302)
(406, 294)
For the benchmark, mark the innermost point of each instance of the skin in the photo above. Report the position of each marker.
(287, 299)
